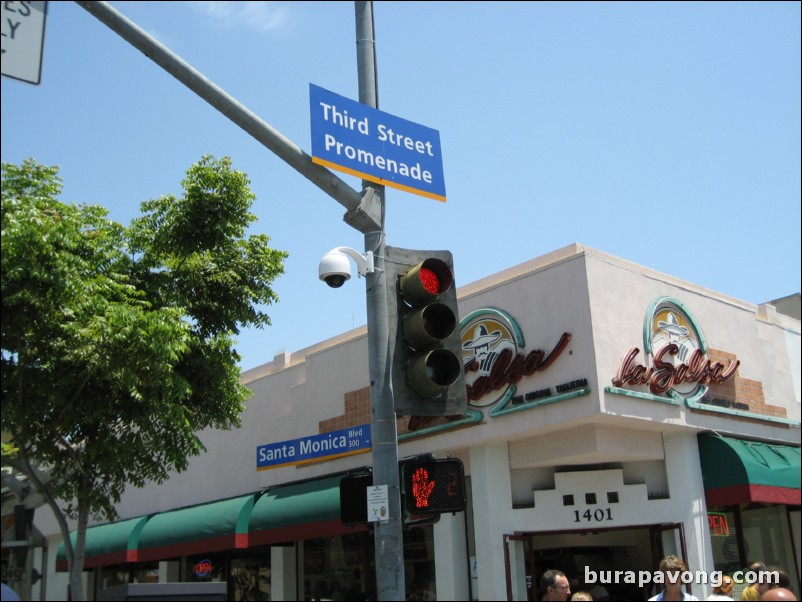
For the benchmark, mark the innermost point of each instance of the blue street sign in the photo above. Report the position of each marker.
(345, 442)
(362, 141)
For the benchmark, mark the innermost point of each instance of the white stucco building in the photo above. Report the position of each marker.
(645, 416)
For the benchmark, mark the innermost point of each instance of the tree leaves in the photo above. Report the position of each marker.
(117, 341)
(198, 243)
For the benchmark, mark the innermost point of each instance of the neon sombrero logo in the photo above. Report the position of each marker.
(674, 340)
(493, 358)
(490, 338)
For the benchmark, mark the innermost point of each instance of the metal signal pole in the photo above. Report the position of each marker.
(388, 535)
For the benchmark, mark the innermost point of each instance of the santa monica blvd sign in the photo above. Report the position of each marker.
(313, 448)
(362, 141)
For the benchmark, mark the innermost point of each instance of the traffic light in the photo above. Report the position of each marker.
(354, 498)
(423, 322)
(433, 486)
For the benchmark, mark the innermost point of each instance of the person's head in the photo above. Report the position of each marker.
(554, 586)
(783, 578)
(582, 596)
(672, 568)
(771, 578)
(778, 593)
(726, 586)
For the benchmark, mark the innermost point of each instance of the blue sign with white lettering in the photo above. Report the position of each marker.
(362, 141)
(345, 442)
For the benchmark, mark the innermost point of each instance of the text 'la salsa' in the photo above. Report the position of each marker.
(664, 375)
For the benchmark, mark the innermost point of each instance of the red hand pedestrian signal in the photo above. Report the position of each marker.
(421, 487)
(432, 486)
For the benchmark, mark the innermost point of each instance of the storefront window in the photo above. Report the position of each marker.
(121, 574)
(342, 568)
(250, 578)
(724, 541)
(112, 576)
(419, 564)
(147, 574)
(338, 568)
(764, 535)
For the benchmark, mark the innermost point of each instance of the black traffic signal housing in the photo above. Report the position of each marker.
(354, 498)
(427, 372)
(433, 486)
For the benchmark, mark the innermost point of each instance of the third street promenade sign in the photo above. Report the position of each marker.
(357, 139)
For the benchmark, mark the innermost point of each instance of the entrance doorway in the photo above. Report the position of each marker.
(589, 559)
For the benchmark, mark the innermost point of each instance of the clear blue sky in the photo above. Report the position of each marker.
(667, 134)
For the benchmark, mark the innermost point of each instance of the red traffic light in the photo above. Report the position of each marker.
(426, 281)
(430, 281)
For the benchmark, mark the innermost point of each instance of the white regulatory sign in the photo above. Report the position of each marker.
(378, 511)
(23, 30)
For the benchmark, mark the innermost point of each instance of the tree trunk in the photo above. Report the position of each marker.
(77, 561)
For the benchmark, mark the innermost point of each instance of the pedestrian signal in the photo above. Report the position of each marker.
(434, 486)
(354, 498)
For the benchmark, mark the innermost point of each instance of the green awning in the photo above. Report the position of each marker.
(114, 543)
(211, 527)
(739, 471)
(305, 510)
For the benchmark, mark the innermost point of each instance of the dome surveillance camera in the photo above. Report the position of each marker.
(335, 269)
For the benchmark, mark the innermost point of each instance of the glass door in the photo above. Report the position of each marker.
(520, 567)
(667, 540)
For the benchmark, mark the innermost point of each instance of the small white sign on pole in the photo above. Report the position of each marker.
(23, 40)
(378, 510)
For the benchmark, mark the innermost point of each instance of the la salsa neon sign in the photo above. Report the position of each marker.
(509, 368)
(674, 341)
(664, 375)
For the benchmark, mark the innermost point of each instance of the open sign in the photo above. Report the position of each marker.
(717, 523)
(203, 568)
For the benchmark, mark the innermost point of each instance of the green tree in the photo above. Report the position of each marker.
(117, 342)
